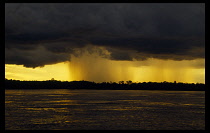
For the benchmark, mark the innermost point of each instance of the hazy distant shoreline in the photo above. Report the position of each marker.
(128, 85)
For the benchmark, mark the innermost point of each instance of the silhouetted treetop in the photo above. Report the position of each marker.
(128, 85)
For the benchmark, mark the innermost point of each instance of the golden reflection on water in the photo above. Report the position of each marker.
(81, 109)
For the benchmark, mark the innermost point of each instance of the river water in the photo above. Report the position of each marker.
(64, 109)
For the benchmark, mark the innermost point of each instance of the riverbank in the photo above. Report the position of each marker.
(129, 85)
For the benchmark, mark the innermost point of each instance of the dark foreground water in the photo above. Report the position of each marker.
(104, 110)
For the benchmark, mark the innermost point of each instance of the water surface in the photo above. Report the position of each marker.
(64, 109)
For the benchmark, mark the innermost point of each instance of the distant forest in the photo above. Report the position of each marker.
(121, 85)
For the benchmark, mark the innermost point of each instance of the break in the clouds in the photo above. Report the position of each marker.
(39, 34)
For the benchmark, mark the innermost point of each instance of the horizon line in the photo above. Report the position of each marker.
(113, 81)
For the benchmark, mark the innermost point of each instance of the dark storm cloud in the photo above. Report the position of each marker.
(189, 47)
(39, 34)
(34, 58)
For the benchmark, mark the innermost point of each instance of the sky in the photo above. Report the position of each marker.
(105, 42)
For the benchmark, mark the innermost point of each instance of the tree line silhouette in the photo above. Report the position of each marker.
(121, 85)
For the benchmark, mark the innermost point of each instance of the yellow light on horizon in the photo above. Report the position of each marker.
(59, 71)
(105, 70)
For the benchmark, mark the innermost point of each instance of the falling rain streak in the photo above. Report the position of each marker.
(93, 67)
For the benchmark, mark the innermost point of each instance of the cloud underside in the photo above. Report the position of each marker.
(40, 34)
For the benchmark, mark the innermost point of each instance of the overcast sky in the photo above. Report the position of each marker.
(39, 34)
